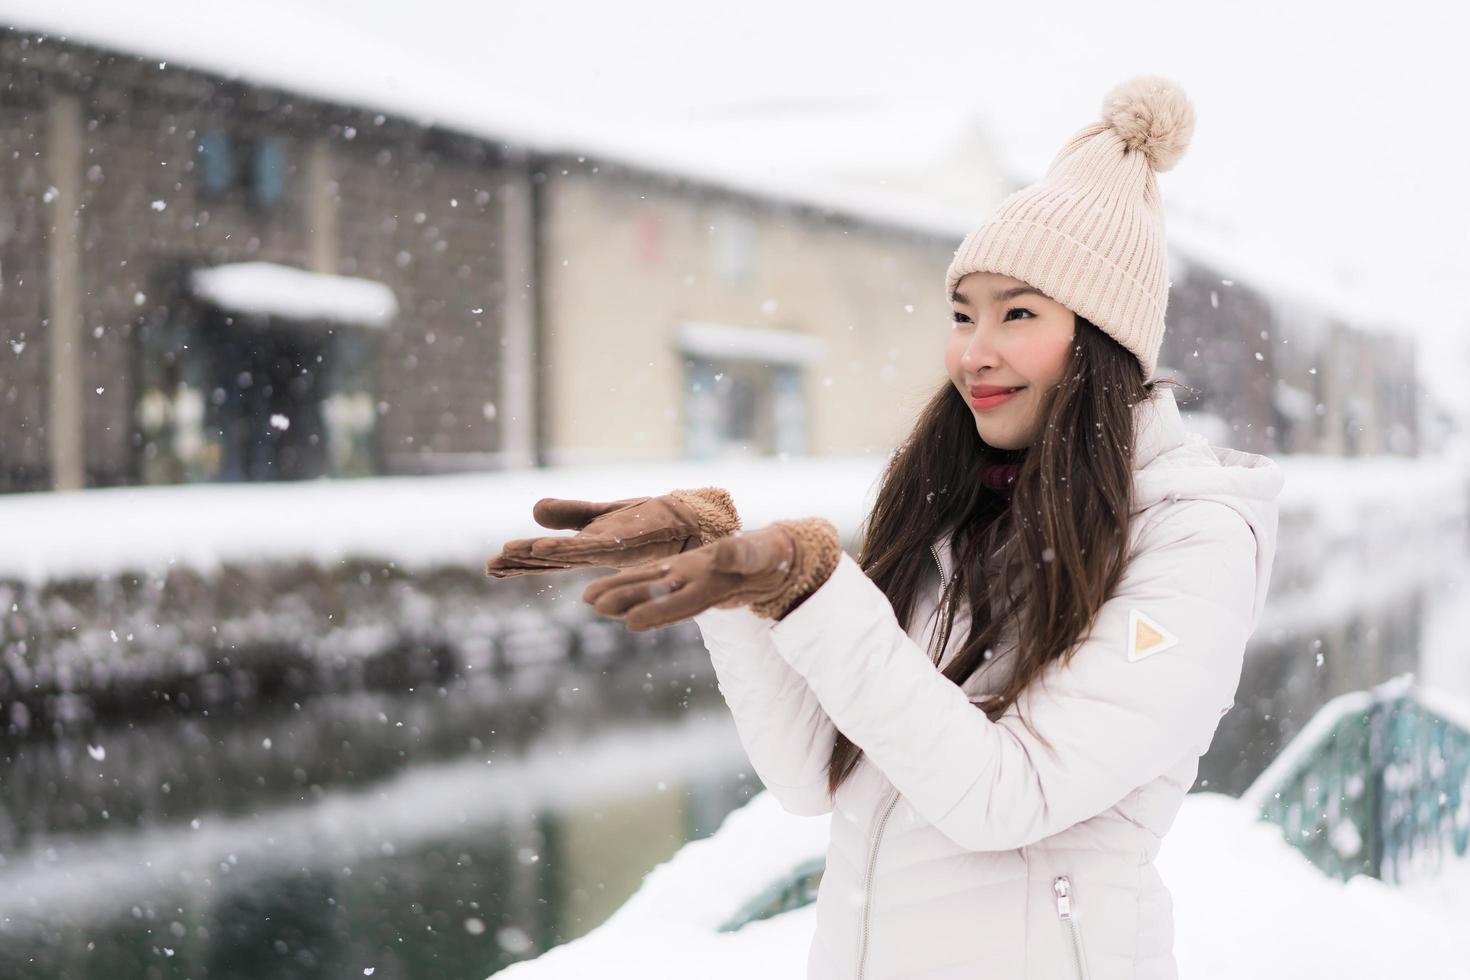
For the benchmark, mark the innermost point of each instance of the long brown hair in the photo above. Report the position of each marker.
(1063, 533)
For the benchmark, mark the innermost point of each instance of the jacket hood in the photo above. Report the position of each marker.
(1171, 464)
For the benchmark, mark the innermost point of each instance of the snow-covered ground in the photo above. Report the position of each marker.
(422, 521)
(1245, 905)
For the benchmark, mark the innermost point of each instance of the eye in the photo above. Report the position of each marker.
(962, 318)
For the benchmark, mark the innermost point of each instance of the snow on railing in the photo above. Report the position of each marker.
(1377, 783)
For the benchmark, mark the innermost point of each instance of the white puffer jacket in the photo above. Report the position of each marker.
(962, 847)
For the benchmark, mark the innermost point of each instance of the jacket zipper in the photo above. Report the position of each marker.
(868, 885)
(1062, 885)
(943, 586)
(878, 838)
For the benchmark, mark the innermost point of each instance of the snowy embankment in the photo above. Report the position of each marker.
(461, 520)
(1245, 905)
(116, 600)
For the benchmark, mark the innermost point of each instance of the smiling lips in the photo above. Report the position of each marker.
(988, 396)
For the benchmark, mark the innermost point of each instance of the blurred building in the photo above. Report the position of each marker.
(206, 278)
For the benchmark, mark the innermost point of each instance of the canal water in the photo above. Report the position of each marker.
(451, 830)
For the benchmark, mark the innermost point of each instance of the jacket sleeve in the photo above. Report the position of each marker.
(1114, 721)
(785, 732)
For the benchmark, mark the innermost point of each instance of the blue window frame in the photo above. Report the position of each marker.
(217, 171)
(229, 164)
(268, 172)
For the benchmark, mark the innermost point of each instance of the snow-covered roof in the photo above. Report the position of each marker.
(324, 57)
(269, 289)
(717, 340)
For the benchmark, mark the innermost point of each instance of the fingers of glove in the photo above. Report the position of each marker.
(562, 514)
(584, 546)
(617, 601)
(634, 557)
(677, 601)
(519, 552)
(511, 572)
(504, 566)
(628, 576)
(520, 547)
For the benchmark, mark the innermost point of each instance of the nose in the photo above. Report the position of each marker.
(980, 351)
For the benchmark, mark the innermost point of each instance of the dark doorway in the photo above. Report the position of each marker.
(267, 398)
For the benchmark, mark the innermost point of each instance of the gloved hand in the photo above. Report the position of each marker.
(773, 570)
(620, 533)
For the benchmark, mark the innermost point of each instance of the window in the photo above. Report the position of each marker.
(250, 169)
(735, 248)
(217, 173)
(744, 392)
(268, 172)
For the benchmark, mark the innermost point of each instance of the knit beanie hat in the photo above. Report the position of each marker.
(1090, 233)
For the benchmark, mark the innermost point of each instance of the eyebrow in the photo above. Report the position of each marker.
(1003, 295)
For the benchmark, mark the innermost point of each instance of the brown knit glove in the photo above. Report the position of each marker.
(772, 570)
(620, 533)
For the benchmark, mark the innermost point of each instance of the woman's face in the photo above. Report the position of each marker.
(1006, 334)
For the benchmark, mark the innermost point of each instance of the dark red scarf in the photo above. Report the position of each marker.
(1000, 477)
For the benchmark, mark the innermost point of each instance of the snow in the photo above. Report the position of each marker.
(717, 340)
(269, 289)
(1245, 905)
(419, 522)
(415, 521)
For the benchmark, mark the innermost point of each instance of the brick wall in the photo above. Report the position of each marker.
(415, 208)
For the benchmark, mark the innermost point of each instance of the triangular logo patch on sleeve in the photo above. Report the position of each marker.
(1146, 637)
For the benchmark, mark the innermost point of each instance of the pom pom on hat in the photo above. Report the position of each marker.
(1153, 116)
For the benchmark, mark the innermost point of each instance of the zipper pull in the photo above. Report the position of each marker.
(1062, 886)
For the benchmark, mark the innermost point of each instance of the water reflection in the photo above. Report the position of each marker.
(447, 832)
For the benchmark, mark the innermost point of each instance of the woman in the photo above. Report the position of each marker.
(999, 790)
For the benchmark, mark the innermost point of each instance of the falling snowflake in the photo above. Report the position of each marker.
(513, 939)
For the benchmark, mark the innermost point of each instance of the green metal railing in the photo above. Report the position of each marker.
(792, 890)
(1378, 783)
